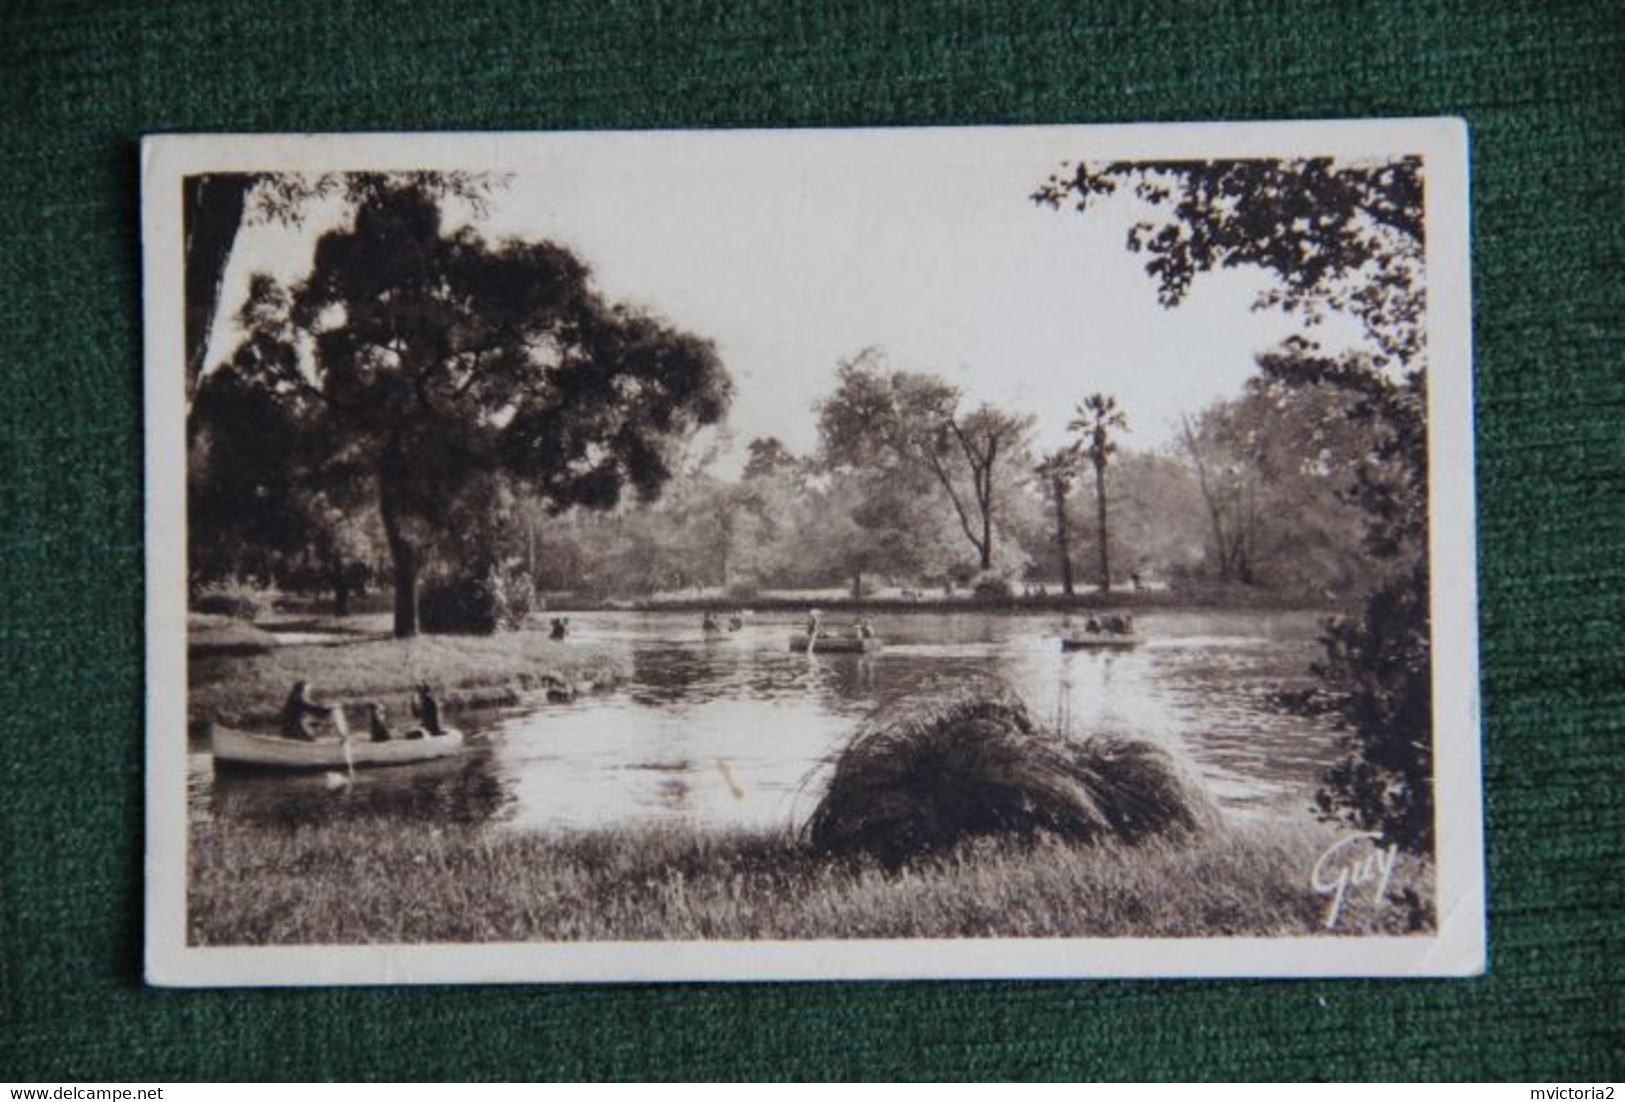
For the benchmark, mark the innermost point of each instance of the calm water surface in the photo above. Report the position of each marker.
(739, 731)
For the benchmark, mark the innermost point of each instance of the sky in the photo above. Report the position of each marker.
(794, 253)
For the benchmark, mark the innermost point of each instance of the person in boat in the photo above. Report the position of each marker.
(378, 722)
(735, 622)
(301, 714)
(560, 627)
(708, 622)
(864, 629)
(1092, 626)
(427, 709)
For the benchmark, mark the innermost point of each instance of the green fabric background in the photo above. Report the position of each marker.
(1542, 87)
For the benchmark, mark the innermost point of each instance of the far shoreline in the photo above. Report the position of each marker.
(1127, 601)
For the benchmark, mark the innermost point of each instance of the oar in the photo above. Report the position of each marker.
(344, 737)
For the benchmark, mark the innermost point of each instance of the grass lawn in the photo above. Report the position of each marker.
(384, 882)
(240, 675)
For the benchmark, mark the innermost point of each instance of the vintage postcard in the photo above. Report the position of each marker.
(988, 552)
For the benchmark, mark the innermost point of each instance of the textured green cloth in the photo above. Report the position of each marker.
(1540, 84)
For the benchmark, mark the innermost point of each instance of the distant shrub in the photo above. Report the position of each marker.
(481, 605)
(992, 587)
(456, 606)
(236, 600)
(743, 589)
(934, 769)
(519, 599)
(216, 634)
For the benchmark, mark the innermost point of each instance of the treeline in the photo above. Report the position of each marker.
(909, 487)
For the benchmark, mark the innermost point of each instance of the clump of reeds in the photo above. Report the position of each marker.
(966, 760)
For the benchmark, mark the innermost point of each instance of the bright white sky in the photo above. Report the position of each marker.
(792, 259)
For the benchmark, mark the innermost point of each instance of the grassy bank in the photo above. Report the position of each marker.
(388, 883)
(240, 675)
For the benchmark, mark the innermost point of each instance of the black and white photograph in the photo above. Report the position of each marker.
(821, 554)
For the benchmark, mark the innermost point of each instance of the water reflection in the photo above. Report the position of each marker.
(737, 730)
(464, 789)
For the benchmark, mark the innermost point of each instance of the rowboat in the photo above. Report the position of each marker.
(835, 644)
(242, 749)
(1104, 641)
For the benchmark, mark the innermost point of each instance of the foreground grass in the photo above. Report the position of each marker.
(233, 681)
(379, 882)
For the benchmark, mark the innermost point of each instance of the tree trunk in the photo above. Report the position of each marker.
(986, 497)
(406, 588)
(211, 211)
(341, 590)
(1100, 523)
(404, 555)
(1221, 543)
(1062, 542)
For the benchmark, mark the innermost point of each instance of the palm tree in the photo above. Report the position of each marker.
(1096, 416)
(1058, 469)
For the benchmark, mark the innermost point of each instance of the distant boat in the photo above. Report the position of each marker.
(240, 748)
(836, 644)
(1105, 640)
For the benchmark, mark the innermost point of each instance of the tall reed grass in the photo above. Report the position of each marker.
(964, 760)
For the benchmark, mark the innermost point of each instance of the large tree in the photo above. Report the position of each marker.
(429, 358)
(907, 423)
(1274, 468)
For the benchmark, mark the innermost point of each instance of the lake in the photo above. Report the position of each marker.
(738, 731)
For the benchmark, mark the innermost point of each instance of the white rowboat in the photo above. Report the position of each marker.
(240, 748)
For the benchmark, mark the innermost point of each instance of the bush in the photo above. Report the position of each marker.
(216, 634)
(518, 599)
(479, 605)
(992, 587)
(743, 589)
(1378, 680)
(236, 600)
(968, 761)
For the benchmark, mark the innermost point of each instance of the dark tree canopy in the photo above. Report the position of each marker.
(241, 490)
(1337, 235)
(216, 206)
(428, 358)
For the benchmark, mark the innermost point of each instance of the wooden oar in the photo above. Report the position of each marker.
(343, 727)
